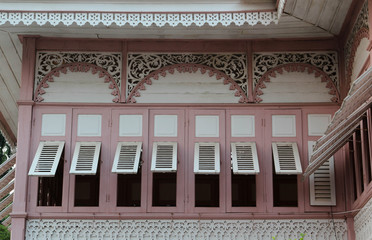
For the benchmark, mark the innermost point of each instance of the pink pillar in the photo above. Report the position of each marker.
(350, 228)
(19, 212)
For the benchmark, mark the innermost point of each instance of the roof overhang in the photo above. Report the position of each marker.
(344, 122)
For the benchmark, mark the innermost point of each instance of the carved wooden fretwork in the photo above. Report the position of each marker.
(295, 67)
(359, 31)
(363, 222)
(134, 19)
(42, 229)
(47, 61)
(141, 65)
(191, 68)
(325, 61)
(76, 67)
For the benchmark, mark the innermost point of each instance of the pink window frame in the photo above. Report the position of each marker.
(267, 162)
(338, 163)
(105, 161)
(258, 139)
(115, 138)
(180, 139)
(37, 138)
(224, 156)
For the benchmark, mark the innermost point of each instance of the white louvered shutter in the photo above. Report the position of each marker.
(207, 158)
(46, 159)
(164, 157)
(322, 182)
(244, 158)
(286, 158)
(127, 157)
(85, 159)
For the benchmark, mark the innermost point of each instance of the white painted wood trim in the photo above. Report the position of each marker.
(46, 160)
(172, 163)
(87, 164)
(251, 159)
(198, 168)
(322, 182)
(286, 163)
(130, 161)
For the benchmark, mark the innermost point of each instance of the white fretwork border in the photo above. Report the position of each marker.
(363, 222)
(135, 19)
(185, 229)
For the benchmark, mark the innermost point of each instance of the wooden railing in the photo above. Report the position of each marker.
(7, 174)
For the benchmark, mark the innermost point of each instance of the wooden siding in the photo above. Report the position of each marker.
(187, 88)
(81, 87)
(295, 87)
(10, 78)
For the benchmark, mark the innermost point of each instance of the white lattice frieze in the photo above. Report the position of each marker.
(134, 19)
(38, 229)
(360, 23)
(141, 65)
(324, 61)
(363, 222)
(47, 61)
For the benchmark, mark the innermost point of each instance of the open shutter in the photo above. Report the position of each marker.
(207, 158)
(46, 159)
(85, 159)
(286, 158)
(322, 182)
(244, 158)
(127, 157)
(164, 157)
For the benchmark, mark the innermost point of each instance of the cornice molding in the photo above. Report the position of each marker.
(134, 19)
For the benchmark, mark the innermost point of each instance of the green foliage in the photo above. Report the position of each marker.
(4, 149)
(4, 233)
(302, 235)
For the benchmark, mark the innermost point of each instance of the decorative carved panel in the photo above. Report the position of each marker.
(134, 19)
(42, 229)
(324, 61)
(363, 222)
(47, 61)
(141, 65)
(359, 31)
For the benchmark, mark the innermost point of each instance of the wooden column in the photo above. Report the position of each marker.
(19, 213)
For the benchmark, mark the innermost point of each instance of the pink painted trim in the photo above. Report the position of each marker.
(183, 68)
(295, 67)
(362, 33)
(77, 67)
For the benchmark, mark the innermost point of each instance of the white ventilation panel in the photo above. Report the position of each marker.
(284, 125)
(207, 158)
(53, 125)
(165, 125)
(127, 157)
(130, 125)
(207, 126)
(318, 123)
(164, 157)
(46, 159)
(85, 159)
(322, 182)
(286, 158)
(242, 126)
(244, 158)
(89, 125)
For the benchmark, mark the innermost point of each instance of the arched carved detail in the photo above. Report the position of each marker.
(362, 33)
(295, 67)
(76, 67)
(190, 68)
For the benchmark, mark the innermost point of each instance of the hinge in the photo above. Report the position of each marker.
(33, 122)
(263, 122)
(108, 198)
(110, 123)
